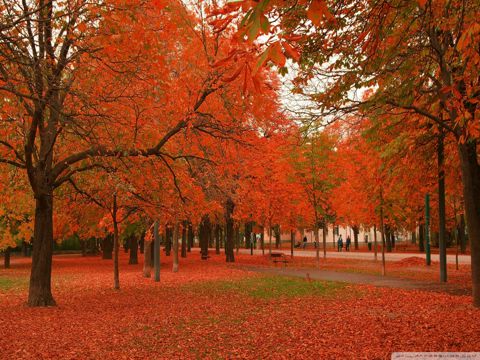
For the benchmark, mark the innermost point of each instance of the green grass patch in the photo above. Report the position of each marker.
(268, 287)
(13, 283)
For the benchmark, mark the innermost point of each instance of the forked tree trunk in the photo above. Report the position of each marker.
(471, 194)
(40, 293)
(147, 259)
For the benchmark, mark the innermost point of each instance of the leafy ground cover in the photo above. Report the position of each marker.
(410, 268)
(213, 310)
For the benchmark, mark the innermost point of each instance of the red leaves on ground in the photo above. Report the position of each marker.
(181, 318)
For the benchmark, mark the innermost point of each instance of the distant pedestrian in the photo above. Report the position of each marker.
(304, 242)
(347, 243)
(340, 243)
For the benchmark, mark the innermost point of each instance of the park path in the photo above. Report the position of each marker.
(366, 279)
(462, 259)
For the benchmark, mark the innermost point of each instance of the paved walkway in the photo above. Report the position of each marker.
(356, 278)
(462, 259)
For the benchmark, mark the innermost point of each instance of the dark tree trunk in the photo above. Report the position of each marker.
(388, 238)
(471, 195)
(107, 247)
(133, 245)
(248, 231)
(168, 240)
(184, 240)
(190, 237)
(276, 230)
(204, 236)
(392, 234)
(262, 239)
(461, 235)
(292, 242)
(6, 258)
(147, 262)
(141, 243)
(414, 237)
(218, 235)
(116, 246)
(442, 245)
(421, 238)
(40, 293)
(83, 244)
(356, 230)
(229, 242)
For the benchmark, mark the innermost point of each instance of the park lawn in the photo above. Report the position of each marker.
(214, 310)
(413, 268)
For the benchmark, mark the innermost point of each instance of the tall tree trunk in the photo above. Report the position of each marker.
(382, 229)
(83, 245)
(414, 237)
(133, 245)
(107, 247)
(203, 236)
(218, 235)
(262, 239)
(184, 240)
(175, 248)
(375, 244)
(278, 236)
(356, 231)
(237, 238)
(317, 242)
(147, 259)
(292, 242)
(6, 258)
(442, 246)
(324, 239)
(248, 231)
(168, 239)
(421, 237)
(387, 237)
(141, 243)
(229, 206)
(270, 238)
(40, 293)
(116, 245)
(471, 194)
(190, 237)
(461, 234)
(156, 250)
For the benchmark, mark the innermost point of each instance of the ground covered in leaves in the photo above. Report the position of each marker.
(215, 311)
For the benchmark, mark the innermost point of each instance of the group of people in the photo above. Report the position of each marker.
(347, 243)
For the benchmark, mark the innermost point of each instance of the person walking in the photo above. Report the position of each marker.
(347, 243)
(340, 243)
(304, 242)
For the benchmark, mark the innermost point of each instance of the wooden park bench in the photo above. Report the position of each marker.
(279, 257)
